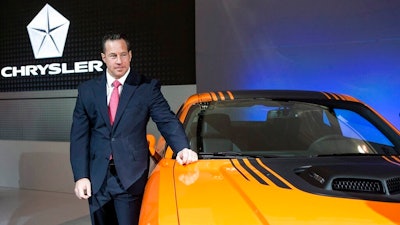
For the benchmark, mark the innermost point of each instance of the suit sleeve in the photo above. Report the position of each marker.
(167, 123)
(79, 141)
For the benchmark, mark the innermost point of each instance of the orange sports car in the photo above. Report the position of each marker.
(278, 157)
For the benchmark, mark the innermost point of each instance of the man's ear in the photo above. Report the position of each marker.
(103, 57)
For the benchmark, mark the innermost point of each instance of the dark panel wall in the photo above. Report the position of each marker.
(162, 34)
(38, 116)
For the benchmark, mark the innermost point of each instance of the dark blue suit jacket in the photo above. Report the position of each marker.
(93, 138)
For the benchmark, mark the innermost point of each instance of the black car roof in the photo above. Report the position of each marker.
(283, 95)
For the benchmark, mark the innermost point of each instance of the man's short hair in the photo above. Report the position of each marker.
(113, 37)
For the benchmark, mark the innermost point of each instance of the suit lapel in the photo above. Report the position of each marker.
(100, 91)
(129, 88)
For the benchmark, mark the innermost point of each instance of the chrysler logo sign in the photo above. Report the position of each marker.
(48, 33)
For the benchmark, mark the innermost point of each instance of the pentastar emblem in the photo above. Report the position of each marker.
(48, 33)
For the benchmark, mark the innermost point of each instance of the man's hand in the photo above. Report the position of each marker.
(83, 188)
(186, 156)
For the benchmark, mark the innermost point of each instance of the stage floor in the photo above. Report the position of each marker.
(30, 207)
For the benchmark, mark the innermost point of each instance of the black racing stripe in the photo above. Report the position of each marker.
(212, 94)
(225, 94)
(238, 169)
(394, 160)
(338, 96)
(270, 176)
(252, 173)
(329, 95)
(217, 95)
(332, 96)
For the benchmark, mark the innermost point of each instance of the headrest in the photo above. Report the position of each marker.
(216, 124)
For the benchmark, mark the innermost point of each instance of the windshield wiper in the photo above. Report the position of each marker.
(233, 155)
(348, 154)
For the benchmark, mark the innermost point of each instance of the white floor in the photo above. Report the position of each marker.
(30, 207)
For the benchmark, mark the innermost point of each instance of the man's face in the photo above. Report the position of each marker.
(116, 57)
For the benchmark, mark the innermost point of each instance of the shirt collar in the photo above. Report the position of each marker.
(111, 79)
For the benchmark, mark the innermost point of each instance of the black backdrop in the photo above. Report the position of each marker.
(162, 35)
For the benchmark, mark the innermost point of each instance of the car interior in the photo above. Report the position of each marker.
(309, 132)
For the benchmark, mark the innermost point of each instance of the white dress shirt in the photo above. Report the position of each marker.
(110, 87)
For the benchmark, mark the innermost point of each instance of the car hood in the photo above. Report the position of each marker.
(327, 190)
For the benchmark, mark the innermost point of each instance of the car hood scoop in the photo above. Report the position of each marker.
(369, 179)
(286, 191)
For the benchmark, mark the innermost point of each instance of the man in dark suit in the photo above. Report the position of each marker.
(109, 153)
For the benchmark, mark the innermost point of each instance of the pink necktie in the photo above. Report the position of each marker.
(112, 107)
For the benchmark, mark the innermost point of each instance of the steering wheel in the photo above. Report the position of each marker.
(337, 144)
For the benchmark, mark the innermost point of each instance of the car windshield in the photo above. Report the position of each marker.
(261, 127)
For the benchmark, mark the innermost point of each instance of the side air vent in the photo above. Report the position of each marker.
(393, 185)
(358, 185)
